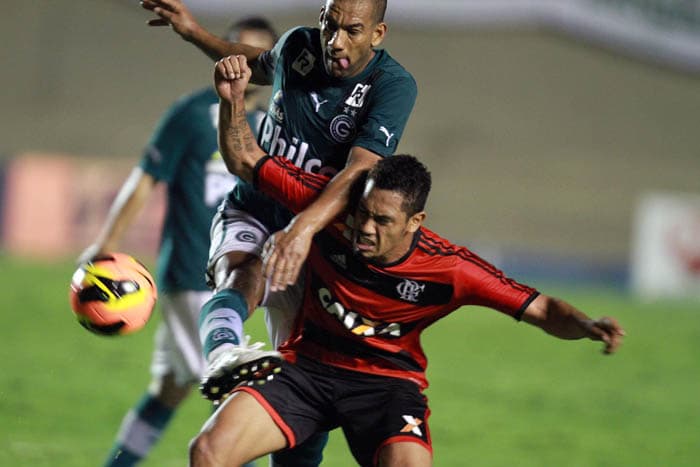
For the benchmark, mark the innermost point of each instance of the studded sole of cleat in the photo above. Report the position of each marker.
(257, 372)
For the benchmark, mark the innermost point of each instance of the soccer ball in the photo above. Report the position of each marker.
(113, 294)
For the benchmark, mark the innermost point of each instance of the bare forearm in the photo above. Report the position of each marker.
(330, 203)
(236, 141)
(125, 208)
(558, 318)
(286, 254)
(334, 197)
(174, 13)
(216, 48)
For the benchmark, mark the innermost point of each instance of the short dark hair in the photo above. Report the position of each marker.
(379, 10)
(406, 175)
(252, 23)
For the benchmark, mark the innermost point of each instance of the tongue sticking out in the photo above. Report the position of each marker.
(344, 63)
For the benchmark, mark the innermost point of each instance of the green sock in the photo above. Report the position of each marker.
(221, 320)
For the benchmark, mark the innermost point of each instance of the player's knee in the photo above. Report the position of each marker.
(242, 272)
(205, 452)
(202, 452)
(404, 454)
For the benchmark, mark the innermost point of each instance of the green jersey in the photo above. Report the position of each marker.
(183, 153)
(314, 119)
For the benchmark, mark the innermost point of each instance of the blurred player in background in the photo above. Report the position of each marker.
(183, 154)
(338, 105)
(373, 284)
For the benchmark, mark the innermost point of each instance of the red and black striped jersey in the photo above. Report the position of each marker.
(368, 317)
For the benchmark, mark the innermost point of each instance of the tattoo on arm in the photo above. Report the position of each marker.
(239, 132)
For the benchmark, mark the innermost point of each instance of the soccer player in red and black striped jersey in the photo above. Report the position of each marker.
(377, 280)
(354, 358)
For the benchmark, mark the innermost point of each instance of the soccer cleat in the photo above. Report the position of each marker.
(240, 365)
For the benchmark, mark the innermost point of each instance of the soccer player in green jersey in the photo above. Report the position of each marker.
(339, 104)
(183, 154)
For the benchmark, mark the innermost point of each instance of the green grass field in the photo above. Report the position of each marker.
(502, 393)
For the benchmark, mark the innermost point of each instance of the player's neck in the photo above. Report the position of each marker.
(400, 252)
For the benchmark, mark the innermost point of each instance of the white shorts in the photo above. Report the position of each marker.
(177, 346)
(236, 230)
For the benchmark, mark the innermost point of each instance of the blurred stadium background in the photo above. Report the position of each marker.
(563, 140)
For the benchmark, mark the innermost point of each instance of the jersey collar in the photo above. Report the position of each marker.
(414, 242)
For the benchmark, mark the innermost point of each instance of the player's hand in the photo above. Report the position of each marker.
(231, 76)
(607, 330)
(172, 13)
(284, 254)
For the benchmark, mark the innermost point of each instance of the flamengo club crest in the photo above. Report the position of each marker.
(409, 290)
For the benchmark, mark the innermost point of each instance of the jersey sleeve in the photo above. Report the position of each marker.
(387, 115)
(286, 183)
(168, 143)
(480, 283)
(270, 58)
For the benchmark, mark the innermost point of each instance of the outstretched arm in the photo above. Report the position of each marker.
(560, 319)
(286, 253)
(126, 206)
(175, 14)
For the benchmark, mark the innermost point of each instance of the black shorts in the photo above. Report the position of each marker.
(373, 411)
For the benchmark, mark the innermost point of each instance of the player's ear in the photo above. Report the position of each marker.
(378, 34)
(415, 221)
(322, 15)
